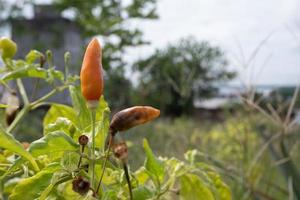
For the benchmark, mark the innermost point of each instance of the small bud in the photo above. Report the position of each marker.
(83, 140)
(121, 151)
(80, 185)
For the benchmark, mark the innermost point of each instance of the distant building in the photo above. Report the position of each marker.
(48, 30)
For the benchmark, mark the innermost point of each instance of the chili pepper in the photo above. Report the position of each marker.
(91, 75)
(130, 117)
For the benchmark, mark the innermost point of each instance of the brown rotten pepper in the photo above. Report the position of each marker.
(130, 117)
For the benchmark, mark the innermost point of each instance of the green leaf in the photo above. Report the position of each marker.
(223, 190)
(111, 194)
(54, 145)
(102, 116)
(10, 143)
(193, 188)
(32, 56)
(62, 124)
(142, 193)
(58, 177)
(53, 74)
(27, 71)
(153, 164)
(141, 175)
(70, 161)
(31, 188)
(59, 111)
(3, 105)
(83, 116)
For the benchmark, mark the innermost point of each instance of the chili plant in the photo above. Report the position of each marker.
(81, 154)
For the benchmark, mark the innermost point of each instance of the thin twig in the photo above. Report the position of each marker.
(105, 161)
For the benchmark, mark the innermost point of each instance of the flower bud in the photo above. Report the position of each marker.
(133, 116)
(83, 140)
(8, 48)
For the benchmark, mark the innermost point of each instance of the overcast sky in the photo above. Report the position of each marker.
(238, 27)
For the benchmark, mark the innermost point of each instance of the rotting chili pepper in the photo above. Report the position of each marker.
(91, 75)
(80, 185)
(120, 151)
(83, 140)
(133, 116)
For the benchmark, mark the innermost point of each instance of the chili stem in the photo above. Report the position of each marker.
(127, 179)
(105, 161)
(93, 146)
(80, 158)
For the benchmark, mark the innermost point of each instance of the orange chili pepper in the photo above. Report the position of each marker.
(131, 117)
(91, 75)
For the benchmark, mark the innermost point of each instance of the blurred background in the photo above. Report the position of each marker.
(224, 73)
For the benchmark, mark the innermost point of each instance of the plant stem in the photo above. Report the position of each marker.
(19, 117)
(22, 91)
(93, 146)
(105, 161)
(80, 158)
(52, 92)
(24, 110)
(128, 180)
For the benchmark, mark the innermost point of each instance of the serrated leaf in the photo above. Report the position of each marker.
(31, 188)
(54, 145)
(10, 143)
(153, 164)
(193, 188)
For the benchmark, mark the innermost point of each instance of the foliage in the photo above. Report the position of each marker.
(109, 18)
(179, 73)
(235, 146)
(50, 167)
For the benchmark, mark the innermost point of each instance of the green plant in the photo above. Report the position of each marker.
(70, 158)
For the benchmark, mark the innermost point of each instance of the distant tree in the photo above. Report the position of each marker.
(172, 77)
(109, 18)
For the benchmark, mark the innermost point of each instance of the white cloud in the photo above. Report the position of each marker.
(225, 21)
